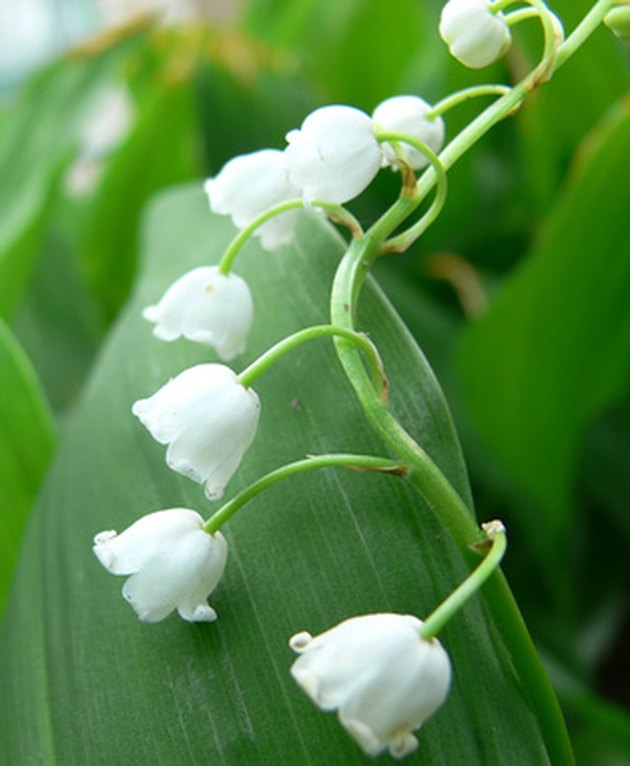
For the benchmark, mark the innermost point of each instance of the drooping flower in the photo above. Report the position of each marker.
(408, 114)
(249, 185)
(383, 679)
(474, 34)
(334, 156)
(207, 307)
(207, 418)
(173, 562)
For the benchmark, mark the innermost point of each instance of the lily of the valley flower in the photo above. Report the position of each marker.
(249, 185)
(383, 679)
(173, 562)
(207, 418)
(207, 307)
(408, 114)
(474, 35)
(334, 156)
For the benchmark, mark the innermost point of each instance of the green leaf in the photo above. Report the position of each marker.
(26, 445)
(84, 681)
(552, 351)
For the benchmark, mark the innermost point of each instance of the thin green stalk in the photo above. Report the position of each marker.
(406, 238)
(460, 96)
(336, 213)
(495, 534)
(314, 462)
(355, 340)
(524, 14)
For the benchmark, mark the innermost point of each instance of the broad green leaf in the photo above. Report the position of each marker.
(83, 681)
(552, 351)
(26, 446)
(39, 138)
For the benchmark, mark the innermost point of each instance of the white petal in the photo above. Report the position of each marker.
(407, 114)
(207, 307)
(129, 551)
(383, 679)
(334, 156)
(207, 418)
(251, 184)
(475, 35)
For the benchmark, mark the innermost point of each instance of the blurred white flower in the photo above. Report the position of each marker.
(249, 185)
(381, 677)
(105, 125)
(334, 156)
(207, 418)
(173, 562)
(474, 35)
(407, 114)
(207, 307)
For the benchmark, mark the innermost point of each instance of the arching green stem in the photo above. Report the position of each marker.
(312, 463)
(495, 537)
(523, 14)
(408, 237)
(355, 340)
(460, 96)
(336, 213)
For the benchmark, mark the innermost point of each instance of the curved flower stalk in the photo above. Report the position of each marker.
(173, 562)
(379, 674)
(410, 115)
(207, 418)
(334, 156)
(247, 186)
(474, 34)
(206, 307)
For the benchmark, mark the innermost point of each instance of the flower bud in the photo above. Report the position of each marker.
(383, 679)
(173, 562)
(407, 114)
(207, 418)
(334, 156)
(207, 307)
(249, 185)
(475, 36)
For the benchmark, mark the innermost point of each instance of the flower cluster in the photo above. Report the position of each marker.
(379, 672)
(331, 159)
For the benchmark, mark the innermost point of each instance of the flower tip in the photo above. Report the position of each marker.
(213, 491)
(403, 745)
(198, 613)
(102, 549)
(300, 641)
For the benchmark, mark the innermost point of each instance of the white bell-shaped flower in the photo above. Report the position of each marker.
(173, 562)
(249, 185)
(474, 34)
(207, 307)
(383, 679)
(408, 114)
(334, 156)
(207, 418)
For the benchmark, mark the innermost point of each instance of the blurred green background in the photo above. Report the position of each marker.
(518, 294)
